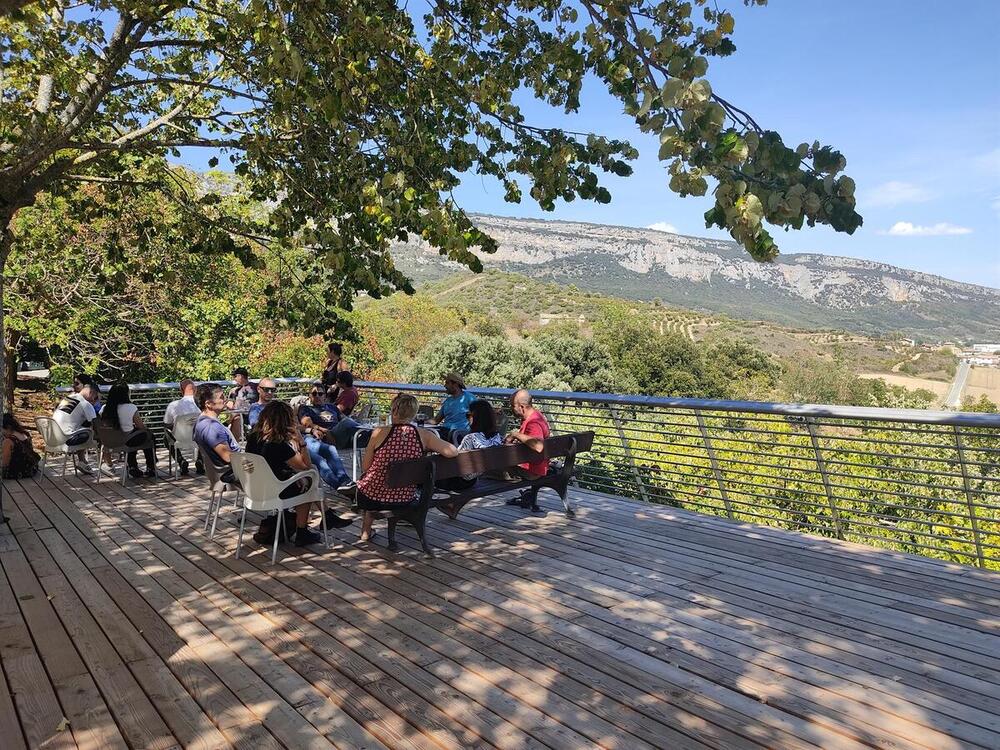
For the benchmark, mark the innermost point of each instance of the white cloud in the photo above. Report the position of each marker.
(941, 229)
(662, 226)
(895, 193)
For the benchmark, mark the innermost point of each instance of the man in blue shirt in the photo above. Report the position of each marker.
(318, 419)
(210, 434)
(265, 395)
(452, 416)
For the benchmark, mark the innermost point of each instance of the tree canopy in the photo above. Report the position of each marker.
(354, 121)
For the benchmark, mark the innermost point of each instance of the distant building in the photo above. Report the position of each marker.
(986, 348)
(984, 361)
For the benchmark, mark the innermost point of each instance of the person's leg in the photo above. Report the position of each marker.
(150, 454)
(327, 462)
(366, 526)
(343, 433)
(529, 496)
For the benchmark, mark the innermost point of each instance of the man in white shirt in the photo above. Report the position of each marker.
(178, 408)
(74, 415)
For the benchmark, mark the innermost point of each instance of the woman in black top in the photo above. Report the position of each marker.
(276, 437)
(334, 363)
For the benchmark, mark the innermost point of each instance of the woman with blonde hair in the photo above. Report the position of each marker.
(399, 440)
(276, 437)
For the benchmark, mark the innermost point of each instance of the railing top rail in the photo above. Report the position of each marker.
(828, 411)
(816, 411)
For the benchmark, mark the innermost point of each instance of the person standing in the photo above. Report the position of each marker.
(334, 363)
(533, 432)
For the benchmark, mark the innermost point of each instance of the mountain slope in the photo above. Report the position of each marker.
(805, 290)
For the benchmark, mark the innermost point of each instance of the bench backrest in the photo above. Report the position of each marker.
(415, 470)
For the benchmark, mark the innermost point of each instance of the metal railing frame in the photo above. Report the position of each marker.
(853, 473)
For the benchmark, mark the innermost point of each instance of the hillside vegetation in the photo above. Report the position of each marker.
(503, 329)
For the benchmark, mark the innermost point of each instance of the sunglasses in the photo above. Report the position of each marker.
(269, 390)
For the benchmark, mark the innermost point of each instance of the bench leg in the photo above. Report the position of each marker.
(564, 496)
(392, 546)
(419, 523)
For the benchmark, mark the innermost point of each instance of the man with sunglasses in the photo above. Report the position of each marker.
(265, 395)
(317, 420)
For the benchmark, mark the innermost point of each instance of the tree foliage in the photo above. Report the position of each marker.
(355, 121)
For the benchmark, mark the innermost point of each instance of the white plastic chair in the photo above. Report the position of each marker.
(55, 443)
(261, 490)
(218, 488)
(180, 437)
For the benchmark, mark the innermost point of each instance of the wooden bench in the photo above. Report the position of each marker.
(426, 471)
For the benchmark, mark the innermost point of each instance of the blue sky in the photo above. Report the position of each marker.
(908, 90)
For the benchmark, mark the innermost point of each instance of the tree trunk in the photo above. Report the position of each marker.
(6, 242)
(10, 359)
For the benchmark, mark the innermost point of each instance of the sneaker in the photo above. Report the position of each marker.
(150, 474)
(199, 470)
(349, 491)
(134, 471)
(184, 469)
(108, 470)
(333, 521)
(84, 467)
(304, 536)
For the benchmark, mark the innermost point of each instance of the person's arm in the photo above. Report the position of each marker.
(300, 461)
(433, 442)
(536, 443)
(8, 450)
(378, 435)
(223, 452)
(137, 422)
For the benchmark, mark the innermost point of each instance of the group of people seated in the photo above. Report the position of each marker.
(251, 417)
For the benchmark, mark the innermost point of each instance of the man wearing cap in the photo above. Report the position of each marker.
(240, 397)
(245, 392)
(452, 415)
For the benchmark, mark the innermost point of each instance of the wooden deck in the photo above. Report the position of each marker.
(122, 625)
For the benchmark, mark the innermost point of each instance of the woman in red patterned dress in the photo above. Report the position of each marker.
(398, 441)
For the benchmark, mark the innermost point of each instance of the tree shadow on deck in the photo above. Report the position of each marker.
(630, 626)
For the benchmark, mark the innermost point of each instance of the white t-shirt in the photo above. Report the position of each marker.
(126, 415)
(179, 408)
(73, 412)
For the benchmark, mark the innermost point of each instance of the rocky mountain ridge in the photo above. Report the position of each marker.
(805, 289)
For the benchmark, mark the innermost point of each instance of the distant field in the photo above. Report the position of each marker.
(937, 387)
(984, 381)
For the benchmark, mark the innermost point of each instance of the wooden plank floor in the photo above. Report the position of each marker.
(632, 626)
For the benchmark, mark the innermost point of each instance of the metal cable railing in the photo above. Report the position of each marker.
(911, 480)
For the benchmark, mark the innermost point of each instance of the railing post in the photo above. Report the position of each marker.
(628, 452)
(967, 482)
(715, 464)
(821, 465)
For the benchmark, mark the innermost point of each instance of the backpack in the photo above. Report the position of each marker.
(23, 460)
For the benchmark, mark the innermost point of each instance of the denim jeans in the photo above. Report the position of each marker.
(327, 462)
